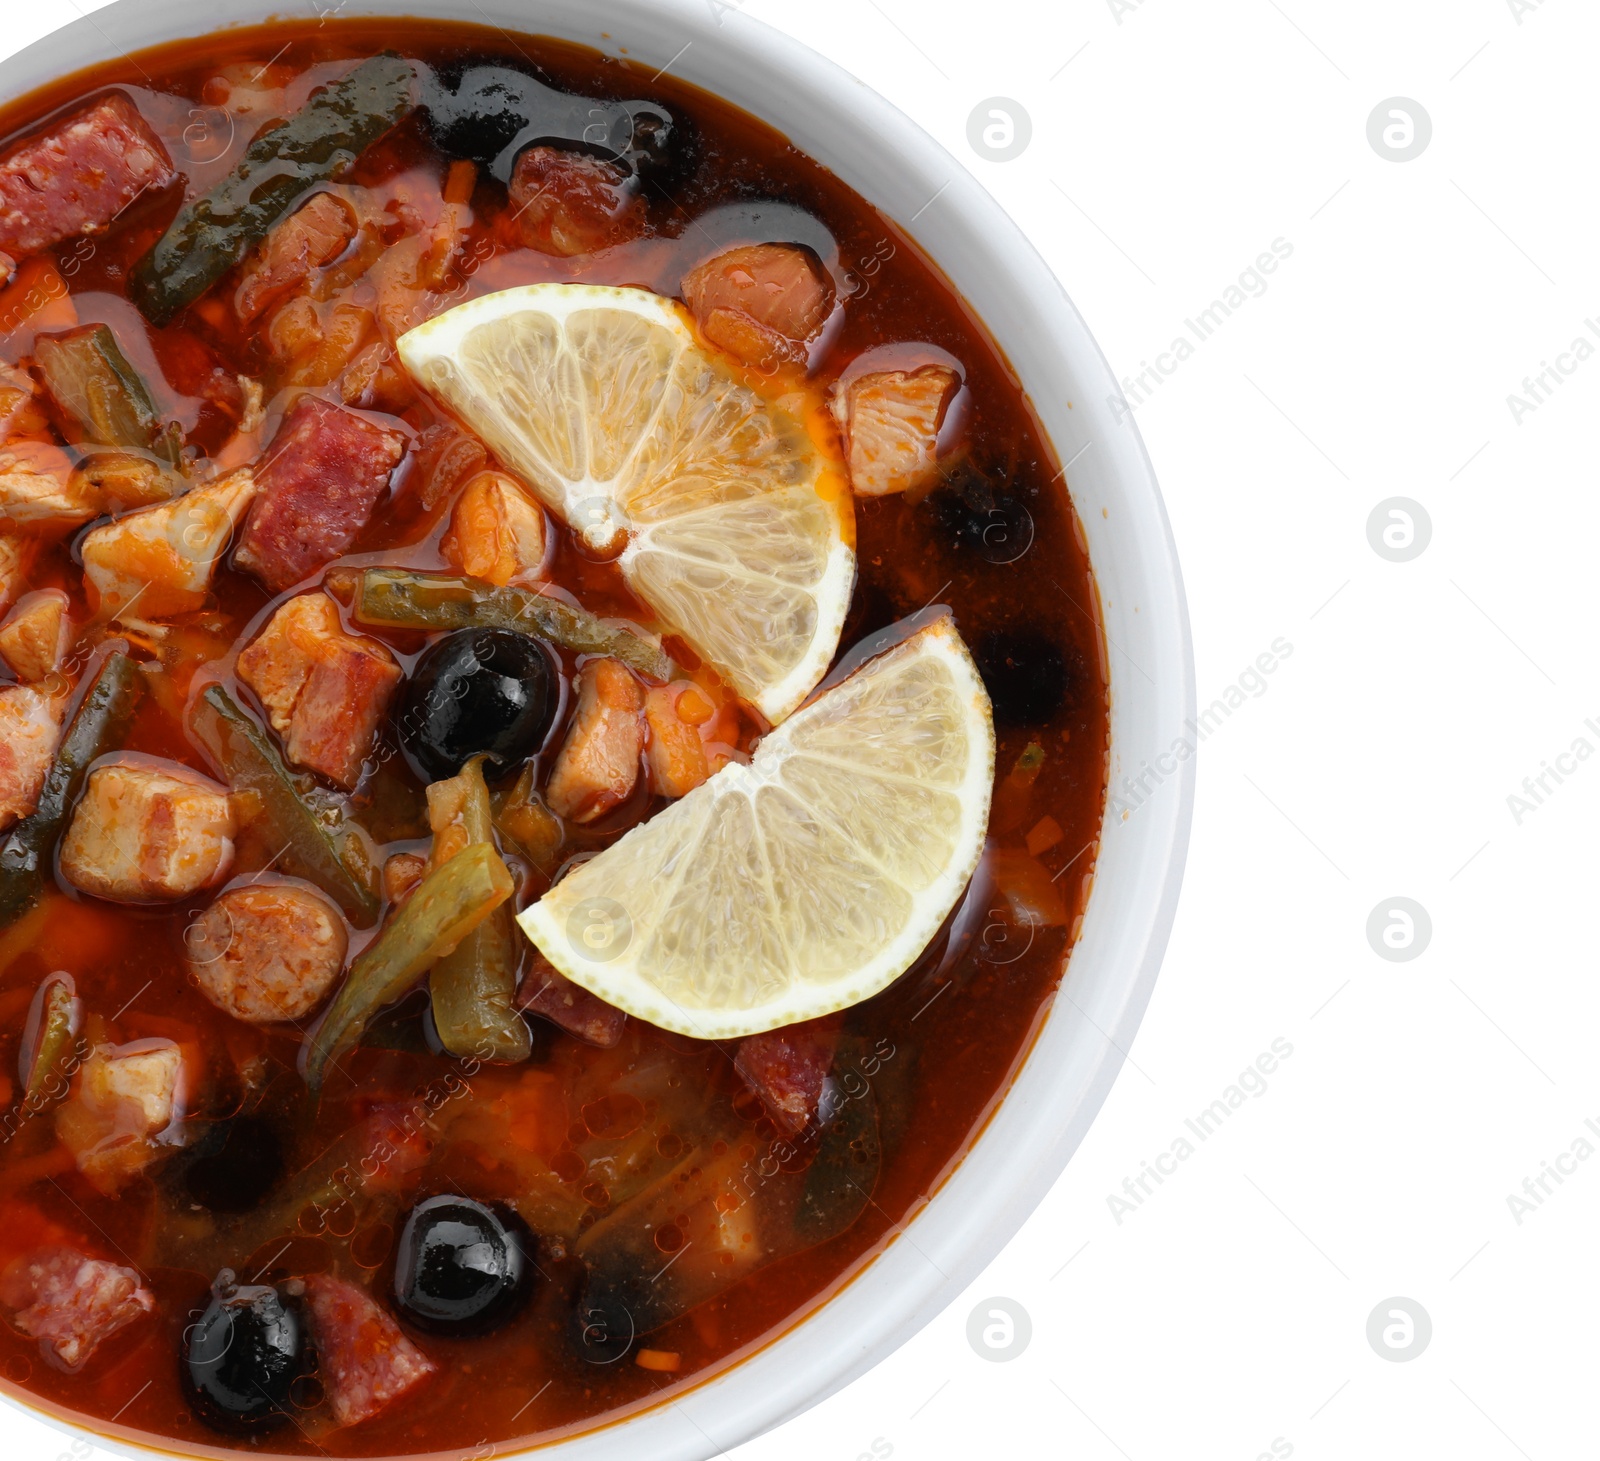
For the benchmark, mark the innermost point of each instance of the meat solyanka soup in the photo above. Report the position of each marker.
(552, 738)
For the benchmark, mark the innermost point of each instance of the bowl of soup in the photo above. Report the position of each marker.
(594, 686)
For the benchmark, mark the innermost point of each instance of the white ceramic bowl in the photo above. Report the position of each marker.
(899, 168)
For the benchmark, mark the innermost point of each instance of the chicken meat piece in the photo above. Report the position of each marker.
(39, 492)
(366, 1362)
(547, 991)
(598, 767)
(35, 634)
(497, 533)
(30, 728)
(316, 233)
(787, 1067)
(763, 303)
(568, 203)
(160, 560)
(401, 875)
(267, 951)
(148, 831)
(124, 1110)
(72, 1303)
(890, 420)
(326, 692)
(675, 754)
(16, 560)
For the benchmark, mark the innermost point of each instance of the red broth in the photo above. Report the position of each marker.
(576, 1132)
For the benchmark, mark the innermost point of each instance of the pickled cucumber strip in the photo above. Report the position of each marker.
(251, 763)
(98, 726)
(448, 904)
(399, 598)
(93, 383)
(472, 987)
(318, 144)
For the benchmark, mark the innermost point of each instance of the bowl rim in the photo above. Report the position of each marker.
(1064, 1076)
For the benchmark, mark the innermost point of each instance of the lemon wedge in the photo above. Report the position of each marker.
(739, 532)
(809, 879)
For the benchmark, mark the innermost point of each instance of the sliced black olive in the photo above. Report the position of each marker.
(234, 1165)
(462, 1267)
(477, 691)
(489, 114)
(242, 1357)
(1025, 674)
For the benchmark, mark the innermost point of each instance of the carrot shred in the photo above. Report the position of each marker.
(664, 1360)
(1045, 834)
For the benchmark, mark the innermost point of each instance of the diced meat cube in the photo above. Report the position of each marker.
(326, 692)
(114, 481)
(314, 234)
(763, 303)
(72, 1303)
(319, 481)
(267, 951)
(35, 634)
(128, 1099)
(786, 1068)
(496, 533)
(548, 992)
(16, 559)
(598, 767)
(148, 831)
(401, 874)
(76, 176)
(38, 491)
(366, 1362)
(891, 420)
(160, 560)
(567, 203)
(30, 727)
(675, 755)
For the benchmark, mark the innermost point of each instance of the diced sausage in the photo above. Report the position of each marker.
(763, 303)
(160, 560)
(39, 492)
(35, 634)
(326, 692)
(548, 992)
(675, 755)
(598, 767)
(127, 1099)
(148, 831)
(890, 420)
(366, 1362)
(319, 481)
(78, 175)
(315, 233)
(267, 951)
(72, 1303)
(30, 727)
(496, 533)
(401, 874)
(567, 203)
(786, 1068)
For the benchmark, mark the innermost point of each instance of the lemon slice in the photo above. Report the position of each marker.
(806, 881)
(740, 535)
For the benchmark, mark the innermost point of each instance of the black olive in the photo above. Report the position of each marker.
(1025, 674)
(482, 114)
(489, 691)
(462, 1267)
(242, 1357)
(234, 1165)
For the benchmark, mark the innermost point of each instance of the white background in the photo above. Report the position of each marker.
(1172, 145)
